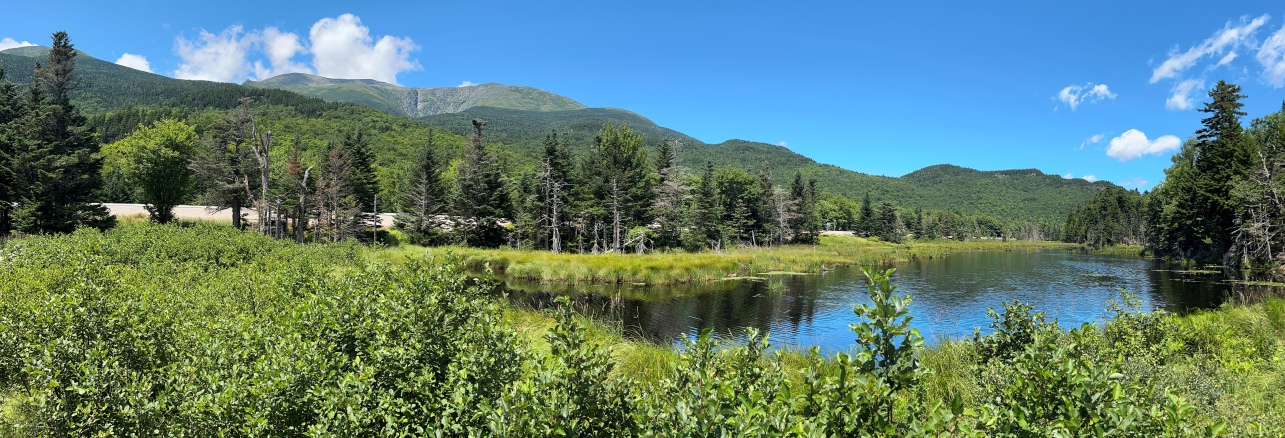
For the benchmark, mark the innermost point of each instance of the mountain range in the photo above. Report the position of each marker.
(518, 119)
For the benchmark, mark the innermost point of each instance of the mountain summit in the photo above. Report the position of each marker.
(419, 102)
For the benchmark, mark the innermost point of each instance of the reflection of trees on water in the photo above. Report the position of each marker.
(950, 296)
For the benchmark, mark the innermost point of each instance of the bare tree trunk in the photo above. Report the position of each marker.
(261, 146)
(303, 207)
(615, 213)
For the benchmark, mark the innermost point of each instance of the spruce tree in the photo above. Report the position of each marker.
(866, 217)
(11, 111)
(59, 168)
(425, 199)
(483, 199)
(705, 216)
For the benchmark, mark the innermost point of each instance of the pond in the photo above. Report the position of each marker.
(950, 296)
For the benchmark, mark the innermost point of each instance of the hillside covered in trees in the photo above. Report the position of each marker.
(117, 100)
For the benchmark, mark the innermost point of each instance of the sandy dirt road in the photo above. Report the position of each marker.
(201, 212)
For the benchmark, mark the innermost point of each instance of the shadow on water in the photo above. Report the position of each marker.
(950, 296)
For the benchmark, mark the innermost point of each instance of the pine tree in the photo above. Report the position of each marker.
(58, 171)
(624, 177)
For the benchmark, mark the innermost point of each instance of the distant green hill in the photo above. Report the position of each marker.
(418, 102)
(105, 86)
(1026, 194)
(119, 98)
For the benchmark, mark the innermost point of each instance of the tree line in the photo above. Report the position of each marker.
(1221, 200)
(620, 195)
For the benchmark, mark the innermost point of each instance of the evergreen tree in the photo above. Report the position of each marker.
(866, 217)
(361, 178)
(425, 199)
(483, 199)
(11, 112)
(671, 192)
(57, 168)
(738, 192)
(625, 180)
(338, 211)
(798, 199)
(225, 162)
(766, 215)
(1199, 215)
(706, 213)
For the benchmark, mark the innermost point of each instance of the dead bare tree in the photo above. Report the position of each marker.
(261, 145)
(552, 188)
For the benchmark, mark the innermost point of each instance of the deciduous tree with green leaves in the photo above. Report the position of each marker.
(155, 160)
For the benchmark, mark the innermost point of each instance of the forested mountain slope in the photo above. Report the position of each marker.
(418, 102)
(118, 99)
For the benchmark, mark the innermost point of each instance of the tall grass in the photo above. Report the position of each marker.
(670, 268)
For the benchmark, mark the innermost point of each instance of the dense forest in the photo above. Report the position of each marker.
(1220, 202)
(118, 99)
(316, 170)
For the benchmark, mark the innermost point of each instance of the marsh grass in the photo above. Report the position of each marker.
(674, 268)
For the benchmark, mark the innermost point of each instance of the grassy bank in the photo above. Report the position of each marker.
(669, 268)
(204, 331)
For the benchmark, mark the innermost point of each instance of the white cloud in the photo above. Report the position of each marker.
(783, 144)
(9, 43)
(1181, 97)
(1136, 182)
(1226, 59)
(220, 58)
(342, 48)
(1089, 178)
(1074, 95)
(136, 62)
(1272, 56)
(466, 84)
(1228, 38)
(1091, 140)
(281, 48)
(1133, 144)
(1068, 176)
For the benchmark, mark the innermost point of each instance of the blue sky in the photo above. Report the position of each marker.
(877, 88)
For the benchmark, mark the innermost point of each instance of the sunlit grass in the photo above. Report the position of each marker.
(675, 267)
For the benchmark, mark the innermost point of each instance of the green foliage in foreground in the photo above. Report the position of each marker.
(205, 331)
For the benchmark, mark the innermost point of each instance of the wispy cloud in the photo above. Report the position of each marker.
(1134, 143)
(1225, 40)
(9, 43)
(1074, 95)
(136, 62)
(1091, 140)
(1180, 97)
(341, 47)
(1089, 177)
(466, 84)
(783, 144)
(1271, 54)
(1136, 182)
